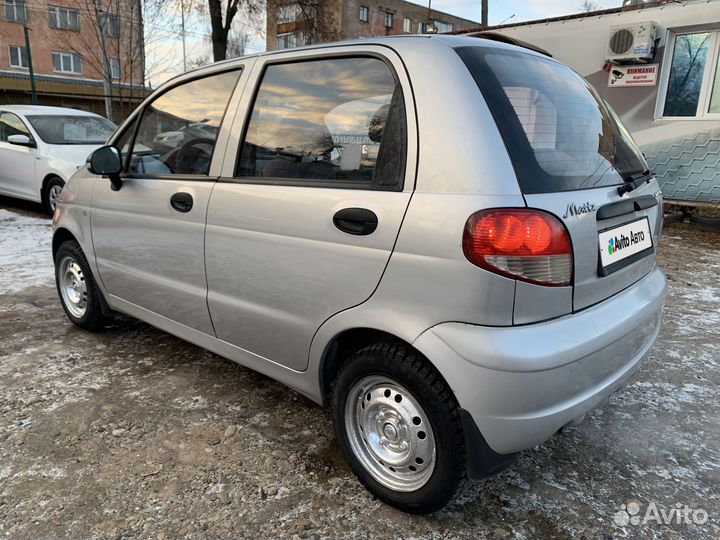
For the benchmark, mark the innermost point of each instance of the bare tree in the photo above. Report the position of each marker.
(317, 20)
(589, 5)
(237, 45)
(111, 40)
(320, 21)
(159, 27)
(222, 14)
(91, 41)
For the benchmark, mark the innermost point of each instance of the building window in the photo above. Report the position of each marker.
(115, 68)
(288, 41)
(436, 27)
(388, 20)
(63, 18)
(67, 62)
(15, 10)
(407, 25)
(288, 13)
(364, 13)
(690, 87)
(18, 57)
(110, 25)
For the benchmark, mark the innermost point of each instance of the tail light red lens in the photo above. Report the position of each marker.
(521, 243)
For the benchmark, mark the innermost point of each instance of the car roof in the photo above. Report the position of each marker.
(39, 109)
(439, 40)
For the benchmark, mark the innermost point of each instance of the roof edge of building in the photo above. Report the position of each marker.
(440, 12)
(10, 74)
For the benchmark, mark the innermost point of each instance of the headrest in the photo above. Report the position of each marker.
(377, 124)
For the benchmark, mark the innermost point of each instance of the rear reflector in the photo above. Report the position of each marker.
(525, 244)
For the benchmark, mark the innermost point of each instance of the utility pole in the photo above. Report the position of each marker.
(182, 23)
(484, 13)
(430, 27)
(33, 90)
(107, 74)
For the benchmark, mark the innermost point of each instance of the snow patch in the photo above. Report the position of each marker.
(25, 252)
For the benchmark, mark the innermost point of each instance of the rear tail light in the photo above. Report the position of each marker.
(520, 243)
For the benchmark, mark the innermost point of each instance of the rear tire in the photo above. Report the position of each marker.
(79, 294)
(51, 194)
(399, 427)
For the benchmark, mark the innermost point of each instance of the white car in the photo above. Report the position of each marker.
(42, 147)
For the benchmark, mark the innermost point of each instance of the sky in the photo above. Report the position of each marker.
(166, 52)
(523, 10)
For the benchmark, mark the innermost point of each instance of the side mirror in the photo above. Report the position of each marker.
(21, 140)
(107, 162)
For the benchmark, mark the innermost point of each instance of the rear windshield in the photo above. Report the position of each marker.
(560, 134)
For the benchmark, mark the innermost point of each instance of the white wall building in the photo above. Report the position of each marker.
(670, 101)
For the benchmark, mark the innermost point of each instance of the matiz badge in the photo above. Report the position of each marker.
(574, 210)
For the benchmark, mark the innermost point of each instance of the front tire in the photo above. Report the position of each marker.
(51, 194)
(399, 427)
(79, 294)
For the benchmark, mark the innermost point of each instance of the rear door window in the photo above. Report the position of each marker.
(559, 133)
(337, 122)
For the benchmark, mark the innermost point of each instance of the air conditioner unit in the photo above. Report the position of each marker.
(632, 42)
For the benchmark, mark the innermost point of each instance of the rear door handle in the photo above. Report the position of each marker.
(357, 221)
(181, 201)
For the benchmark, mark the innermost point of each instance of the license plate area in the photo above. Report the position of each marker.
(624, 244)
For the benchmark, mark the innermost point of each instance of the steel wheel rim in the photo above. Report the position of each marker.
(390, 433)
(54, 196)
(73, 286)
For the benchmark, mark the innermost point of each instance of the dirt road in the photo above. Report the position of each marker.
(133, 433)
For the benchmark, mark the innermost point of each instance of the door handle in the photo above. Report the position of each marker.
(181, 201)
(357, 221)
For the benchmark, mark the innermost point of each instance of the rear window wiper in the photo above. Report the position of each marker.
(634, 181)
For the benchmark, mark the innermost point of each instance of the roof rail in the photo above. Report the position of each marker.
(502, 38)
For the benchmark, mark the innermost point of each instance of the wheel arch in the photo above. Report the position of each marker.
(49, 176)
(481, 460)
(342, 345)
(60, 236)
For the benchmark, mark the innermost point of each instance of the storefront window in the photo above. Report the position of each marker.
(687, 71)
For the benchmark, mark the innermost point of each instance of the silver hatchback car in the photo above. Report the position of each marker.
(448, 240)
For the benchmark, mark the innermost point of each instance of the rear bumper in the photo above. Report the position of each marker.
(521, 384)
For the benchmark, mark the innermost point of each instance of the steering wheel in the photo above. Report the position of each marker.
(187, 156)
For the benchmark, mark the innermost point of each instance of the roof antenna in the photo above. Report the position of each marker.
(506, 20)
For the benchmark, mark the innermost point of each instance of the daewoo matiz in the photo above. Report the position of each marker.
(448, 240)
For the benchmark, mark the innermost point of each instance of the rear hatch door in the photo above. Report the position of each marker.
(614, 238)
(573, 157)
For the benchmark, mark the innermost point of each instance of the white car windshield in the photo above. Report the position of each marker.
(61, 129)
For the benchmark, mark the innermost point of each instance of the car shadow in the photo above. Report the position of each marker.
(27, 208)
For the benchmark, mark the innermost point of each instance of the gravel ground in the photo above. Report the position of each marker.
(133, 433)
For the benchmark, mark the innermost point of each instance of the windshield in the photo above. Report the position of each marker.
(60, 129)
(559, 133)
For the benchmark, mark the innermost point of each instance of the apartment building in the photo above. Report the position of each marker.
(304, 22)
(70, 42)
